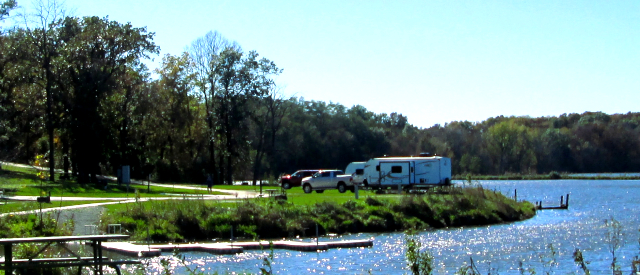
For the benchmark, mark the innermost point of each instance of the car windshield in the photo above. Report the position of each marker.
(317, 174)
(294, 174)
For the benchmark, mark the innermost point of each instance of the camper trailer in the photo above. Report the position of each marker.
(407, 171)
(356, 170)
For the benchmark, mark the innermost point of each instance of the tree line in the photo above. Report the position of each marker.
(76, 90)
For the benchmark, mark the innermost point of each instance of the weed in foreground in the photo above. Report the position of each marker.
(420, 262)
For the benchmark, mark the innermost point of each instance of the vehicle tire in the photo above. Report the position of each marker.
(342, 187)
(319, 191)
(286, 185)
(307, 188)
(366, 184)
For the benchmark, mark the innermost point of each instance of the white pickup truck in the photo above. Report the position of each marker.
(327, 179)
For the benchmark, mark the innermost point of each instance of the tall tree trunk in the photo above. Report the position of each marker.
(229, 170)
(65, 153)
(212, 157)
(50, 130)
(221, 166)
(257, 165)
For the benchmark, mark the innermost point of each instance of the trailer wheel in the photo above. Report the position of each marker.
(447, 181)
(366, 183)
(342, 187)
(307, 188)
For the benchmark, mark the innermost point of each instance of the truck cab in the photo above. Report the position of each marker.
(327, 179)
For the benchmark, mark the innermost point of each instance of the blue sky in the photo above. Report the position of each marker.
(433, 61)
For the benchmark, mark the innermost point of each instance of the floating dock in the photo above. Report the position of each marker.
(142, 250)
(563, 204)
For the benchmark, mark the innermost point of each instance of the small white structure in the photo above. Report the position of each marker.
(407, 171)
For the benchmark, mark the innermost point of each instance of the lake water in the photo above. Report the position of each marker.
(497, 248)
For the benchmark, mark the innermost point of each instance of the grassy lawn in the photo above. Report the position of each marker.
(296, 196)
(25, 206)
(27, 183)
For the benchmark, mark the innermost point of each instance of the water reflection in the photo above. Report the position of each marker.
(544, 243)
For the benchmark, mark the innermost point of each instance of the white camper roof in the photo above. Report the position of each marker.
(408, 158)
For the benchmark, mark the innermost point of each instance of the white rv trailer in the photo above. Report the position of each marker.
(407, 171)
(356, 170)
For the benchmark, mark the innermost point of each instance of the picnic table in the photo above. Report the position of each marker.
(97, 261)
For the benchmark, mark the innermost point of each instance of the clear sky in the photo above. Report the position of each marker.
(433, 61)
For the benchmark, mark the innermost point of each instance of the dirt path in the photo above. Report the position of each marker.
(82, 217)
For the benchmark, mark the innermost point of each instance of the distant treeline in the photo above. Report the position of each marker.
(76, 91)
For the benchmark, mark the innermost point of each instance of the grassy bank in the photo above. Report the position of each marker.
(33, 225)
(192, 219)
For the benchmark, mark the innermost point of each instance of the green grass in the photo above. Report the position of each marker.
(27, 183)
(295, 195)
(26, 206)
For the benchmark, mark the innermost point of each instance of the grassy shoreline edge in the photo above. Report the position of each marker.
(197, 220)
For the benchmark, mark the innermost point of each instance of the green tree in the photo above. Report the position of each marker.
(241, 78)
(509, 145)
(205, 53)
(98, 52)
(46, 43)
(6, 7)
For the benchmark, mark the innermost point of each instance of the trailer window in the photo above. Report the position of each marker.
(396, 169)
(359, 171)
(377, 167)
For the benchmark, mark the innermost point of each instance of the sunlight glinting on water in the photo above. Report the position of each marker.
(544, 243)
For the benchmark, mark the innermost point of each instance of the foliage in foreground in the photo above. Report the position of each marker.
(35, 225)
(189, 219)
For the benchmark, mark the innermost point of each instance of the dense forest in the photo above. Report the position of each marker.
(76, 91)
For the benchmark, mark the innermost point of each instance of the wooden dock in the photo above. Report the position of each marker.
(141, 250)
(563, 204)
(96, 262)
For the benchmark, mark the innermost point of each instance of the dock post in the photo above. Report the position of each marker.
(8, 258)
(561, 200)
(516, 195)
(317, 237)
(567, 201)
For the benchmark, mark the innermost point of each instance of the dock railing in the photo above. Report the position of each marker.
(97, 261)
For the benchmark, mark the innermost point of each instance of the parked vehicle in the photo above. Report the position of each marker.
(295, 179)
(356, 170)
(327, 179)
(407, 171)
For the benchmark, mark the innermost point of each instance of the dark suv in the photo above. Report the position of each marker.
(295, 179)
